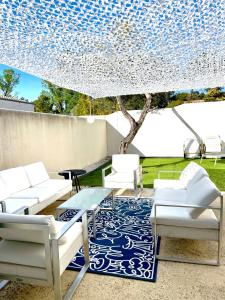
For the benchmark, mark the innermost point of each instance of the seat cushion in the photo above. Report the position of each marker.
(36, 173)
(41, 194)
(76, 228)
(55, 184)
(202, 193)
(168, 184)
(15, 179)
(174, 216)
(13, 205)
(120, 177)
(179, 196)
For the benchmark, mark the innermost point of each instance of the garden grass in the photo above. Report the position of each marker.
(151, 166)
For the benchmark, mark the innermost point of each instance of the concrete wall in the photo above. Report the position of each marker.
(59, 141)
(16, 105)
(164, 131)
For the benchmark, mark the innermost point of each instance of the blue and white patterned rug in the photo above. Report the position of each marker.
(124, 245)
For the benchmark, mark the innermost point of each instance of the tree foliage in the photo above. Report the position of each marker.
(8, 81)
(57, 100)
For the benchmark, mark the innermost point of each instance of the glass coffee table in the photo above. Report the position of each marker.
(88, 199)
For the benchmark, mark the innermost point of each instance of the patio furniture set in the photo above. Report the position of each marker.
(211, 146)
(37, 249)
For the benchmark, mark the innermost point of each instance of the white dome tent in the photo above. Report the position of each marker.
(116, 47)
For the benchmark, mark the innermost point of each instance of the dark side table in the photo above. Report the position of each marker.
(74, 173)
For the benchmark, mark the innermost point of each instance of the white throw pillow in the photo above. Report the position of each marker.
(188, 173)
(15, 179)
(202, 193)
(36, 173)
(197, 176)
(125, 162)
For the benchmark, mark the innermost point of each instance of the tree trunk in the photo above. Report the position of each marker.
(134, 125)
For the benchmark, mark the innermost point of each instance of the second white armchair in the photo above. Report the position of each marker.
(126, 173)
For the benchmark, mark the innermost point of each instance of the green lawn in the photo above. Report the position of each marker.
(151, 166)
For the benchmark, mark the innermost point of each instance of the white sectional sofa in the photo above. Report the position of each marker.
(30, 186)
(188, 212)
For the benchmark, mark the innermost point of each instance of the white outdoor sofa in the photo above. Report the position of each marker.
(189, 213)
(190, 174)
(37, 249)
(30, 187)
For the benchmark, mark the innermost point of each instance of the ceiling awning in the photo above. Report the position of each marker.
(116, 47)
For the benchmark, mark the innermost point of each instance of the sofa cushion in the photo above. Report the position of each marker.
(120, 177)
(13, 205)
(174, 216)
(4, 191)
(168, 184)
(41, 194)
(125, 162)
(75, 229)
(202, 193)
(55, 184)
(29, 235)
(36, 173)
(179, 196)
(188, 172)
(197, 176)
(15, 179)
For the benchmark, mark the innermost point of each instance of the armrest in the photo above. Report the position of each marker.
(176, 204)
(24, 210)
(3, 206)
(24, 197)
(103, 172)
(66, 227)
(167, 171)
(137, 172)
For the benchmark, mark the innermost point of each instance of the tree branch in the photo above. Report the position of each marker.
(145, 109)
(124, 111)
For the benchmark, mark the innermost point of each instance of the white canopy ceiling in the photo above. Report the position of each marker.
(116, 47)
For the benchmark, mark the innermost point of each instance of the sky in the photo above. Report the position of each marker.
(29, 86)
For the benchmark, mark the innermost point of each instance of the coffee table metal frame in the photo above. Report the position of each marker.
(80, 201)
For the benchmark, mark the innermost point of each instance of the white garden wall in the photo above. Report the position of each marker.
(164, 131)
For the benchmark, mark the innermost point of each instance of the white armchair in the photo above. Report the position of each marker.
(126, 173)
(191, 148)
(212, 147)
(189, 215)
(37, 249)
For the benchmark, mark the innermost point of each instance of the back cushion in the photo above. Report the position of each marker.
(26, 235)
(125, 162)
(36, 173)
(189, 172)
(15, 179)
(197, 176)
(202, 193)
(213, 144)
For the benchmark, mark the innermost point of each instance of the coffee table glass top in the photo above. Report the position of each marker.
(86, 199)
